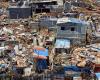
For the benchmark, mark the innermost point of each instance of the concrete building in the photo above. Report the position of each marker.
(73, 29)
(42, 6)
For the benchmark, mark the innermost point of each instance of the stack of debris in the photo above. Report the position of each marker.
(86, 54)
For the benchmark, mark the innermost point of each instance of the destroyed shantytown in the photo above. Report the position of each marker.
(49, 39)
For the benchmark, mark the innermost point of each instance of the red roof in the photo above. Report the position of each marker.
(38, 48)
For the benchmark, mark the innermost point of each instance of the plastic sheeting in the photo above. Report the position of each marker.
(98, 76)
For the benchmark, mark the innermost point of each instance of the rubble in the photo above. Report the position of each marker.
(67, 49)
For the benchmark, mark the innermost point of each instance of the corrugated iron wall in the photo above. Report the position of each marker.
(16, 13)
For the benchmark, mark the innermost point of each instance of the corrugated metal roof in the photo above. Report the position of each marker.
(62, 43)
(19, 7)
(71, 20)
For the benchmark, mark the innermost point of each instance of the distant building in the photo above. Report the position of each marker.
(21, 10)
(17, 13)
(42, 6)
(25, 8)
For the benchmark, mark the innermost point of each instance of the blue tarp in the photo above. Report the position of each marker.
(41, 64)
(77, 69)
(62, 43)
(41, 52)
